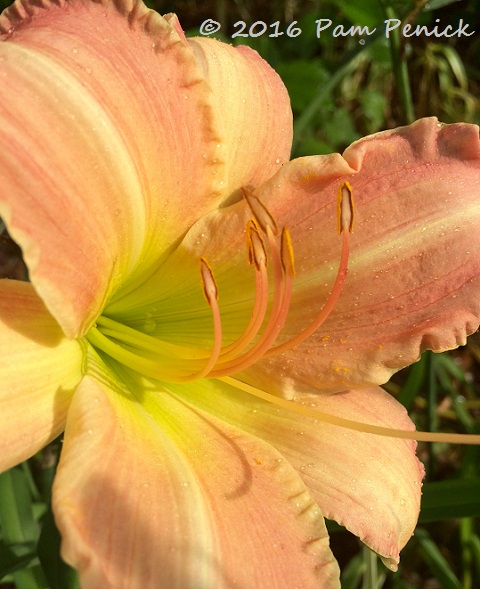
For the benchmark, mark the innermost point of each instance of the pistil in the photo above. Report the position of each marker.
(306, 411)
(168, 362)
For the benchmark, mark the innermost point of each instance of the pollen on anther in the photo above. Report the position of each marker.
(286, 253)
(260, 212)
(257, 253)
(209, 285)
(345, 209)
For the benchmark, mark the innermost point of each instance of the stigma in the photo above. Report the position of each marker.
(270, 253)
(268, 246)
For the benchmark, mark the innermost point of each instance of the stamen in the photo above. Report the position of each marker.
(345, 207)
(167, 362)
(143, 341)
(146, 366)
(211, 293)
(257, 256)
(278, 315)
(255, 246)
(345, 220)
(209, 285)
(260, 212)
(306, 411)
(277, 274)
(153, 367)
(286, 253)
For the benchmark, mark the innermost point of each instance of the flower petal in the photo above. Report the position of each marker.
(96, 145)
(413, 281)
(39, 371)
(206, 505)
(369, 484)
(254, 107)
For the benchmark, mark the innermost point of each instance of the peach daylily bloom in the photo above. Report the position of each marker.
(202, 443)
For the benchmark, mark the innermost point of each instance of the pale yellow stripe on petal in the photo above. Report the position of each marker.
(72, 196)
(39, 369)
(414, 267)
(153, 494)
(128, 504)
(253, 108)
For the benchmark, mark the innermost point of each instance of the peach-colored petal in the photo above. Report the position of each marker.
(39, 370)
(413, 280)
(156, 494)
(413, 270)
(109, 150)
(254, 110)
(370, 485)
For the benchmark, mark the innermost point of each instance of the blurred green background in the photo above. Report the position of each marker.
(341, 88)
(345, 87)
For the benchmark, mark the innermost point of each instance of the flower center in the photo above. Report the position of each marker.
(168, 362)
(266, 244)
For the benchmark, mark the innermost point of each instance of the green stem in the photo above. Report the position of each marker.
(400, 71)
(370, 576)
(432, 398)
(466, 533)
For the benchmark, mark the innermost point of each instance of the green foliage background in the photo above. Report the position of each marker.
(341, 89)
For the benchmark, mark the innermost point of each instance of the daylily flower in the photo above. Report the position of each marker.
(204, 443)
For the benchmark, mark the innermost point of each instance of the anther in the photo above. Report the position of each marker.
(345, 221)
(211, 293)
(256, 249)
(209, 285)
(286, 253)
(345, 207)
(260, 212)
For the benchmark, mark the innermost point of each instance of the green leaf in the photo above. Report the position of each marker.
(16, 513)
(14, 558)
(304, 120)
(414, 382)
(59, 575)
(450, 499)
(475, 547)
(339, 128)
(302, 78)
(373, 107)
(363, 12)
(434, 4)
(19, 526)
(435, 560)
(352, 574)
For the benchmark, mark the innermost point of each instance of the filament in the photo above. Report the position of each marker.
(180, 363)
(266, 246)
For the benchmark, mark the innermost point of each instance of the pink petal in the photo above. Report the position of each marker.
(39, 370)
(96, 145)
(369, 484)
(158, 494)
(413, 272)
(413, 280)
